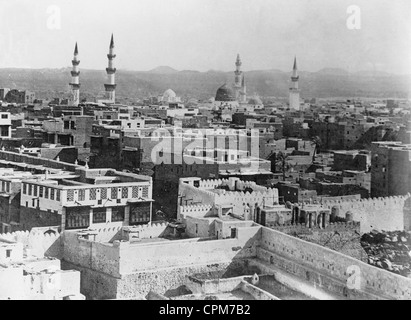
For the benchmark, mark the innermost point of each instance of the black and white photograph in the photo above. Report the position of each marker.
(204, 154)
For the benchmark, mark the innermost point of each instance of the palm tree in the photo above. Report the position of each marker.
(317, 143)
(281, 161)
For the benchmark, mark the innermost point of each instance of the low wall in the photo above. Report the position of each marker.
(256, 292)
(16, 157)
(101, 257)
(166, 282)
(39, 242)
(122, 258)
(135, 258)
(201, 286)
(302, 228)
(378, 213)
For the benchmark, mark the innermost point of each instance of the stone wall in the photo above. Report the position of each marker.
(16, 157)
(340, 236)
(165, 281)
(331, 264)
(123, 257)
(39, 242)
(377, 213)
(199, 211)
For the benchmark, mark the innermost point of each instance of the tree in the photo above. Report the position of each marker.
(282, 162)
(317, 143)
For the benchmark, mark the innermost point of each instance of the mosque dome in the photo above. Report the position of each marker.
(224, 93)
(255, 100)
(169, 94)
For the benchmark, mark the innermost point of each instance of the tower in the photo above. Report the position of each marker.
(75, 84)
(239, 84)
(294, 91)
(111, 72)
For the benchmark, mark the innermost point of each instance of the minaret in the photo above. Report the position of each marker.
(238, 79)
(294, 91)
(111, 72)
(75, 84)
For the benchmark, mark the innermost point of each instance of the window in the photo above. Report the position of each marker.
(41, 192)
(8, 253)
(81, 195)
(140, 213)
(134, 192)
(29, 186)
(124, 192)
(57, 195)
(35, 191)
(77, 217)
(103, 193)
(52, 193)
(117, 214)
(4, 131)
(46, 192)
(99, 215)
(93, 194)
(5, 116)
(114, 193)
(24, 188)
(70, 195)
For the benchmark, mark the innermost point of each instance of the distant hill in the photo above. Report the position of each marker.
(163, 70)
(131, 85)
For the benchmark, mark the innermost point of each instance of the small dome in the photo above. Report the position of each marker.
(255, 100)
(224, 93)
(169, 94)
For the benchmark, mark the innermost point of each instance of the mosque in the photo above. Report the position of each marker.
(169, 96)
(234, 98)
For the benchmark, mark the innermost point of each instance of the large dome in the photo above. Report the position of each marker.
(224, 93)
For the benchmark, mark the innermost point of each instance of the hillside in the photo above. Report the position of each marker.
(131, 85)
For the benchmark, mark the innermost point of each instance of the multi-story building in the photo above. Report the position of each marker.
(337, 135)
(69, 130)
(352, 160)
(5, 125)
(390, 169)
(92, 197)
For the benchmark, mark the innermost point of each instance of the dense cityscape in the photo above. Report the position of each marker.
(238, 196)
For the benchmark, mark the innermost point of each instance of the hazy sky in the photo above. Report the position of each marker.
(207, 34)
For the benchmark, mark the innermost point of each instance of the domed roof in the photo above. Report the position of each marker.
(224, 93)
(169, 94)
(255, 100)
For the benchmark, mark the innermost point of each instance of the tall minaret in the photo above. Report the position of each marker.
(294, 91)
(238, 79)
(111, 71)
(75, 84)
